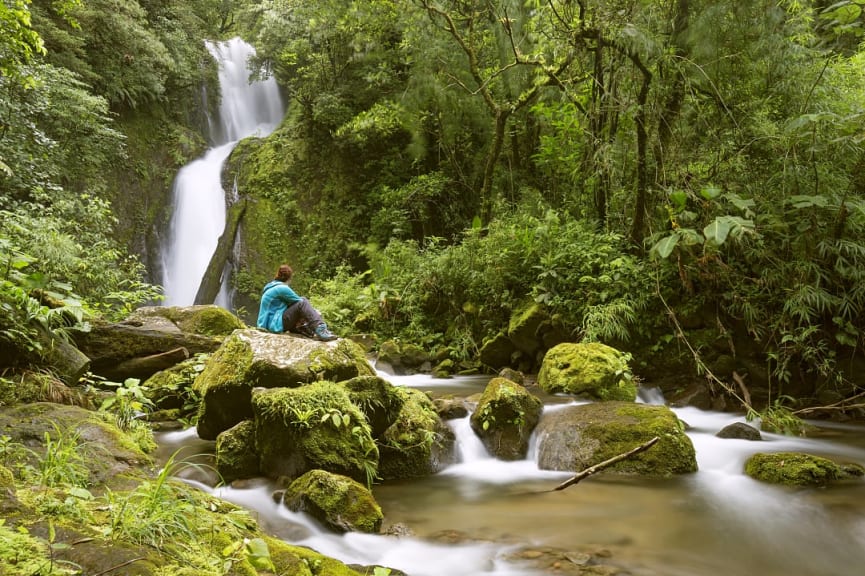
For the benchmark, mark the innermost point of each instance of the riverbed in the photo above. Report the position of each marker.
(485, 516)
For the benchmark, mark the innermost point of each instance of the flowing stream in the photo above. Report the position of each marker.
(199, 200)
(714, 522)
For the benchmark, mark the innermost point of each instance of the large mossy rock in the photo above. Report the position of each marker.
(103, 450)
(524, 327)
(505, 417)
(798, 469)
(496, 351)
(312, 427)
(253, 358)
(338, 502)
(589, 370)
(236, 457)
(418, 443)
(206, 319)
(577, 437)
(379, 400)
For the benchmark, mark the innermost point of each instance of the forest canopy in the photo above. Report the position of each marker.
(682, 178)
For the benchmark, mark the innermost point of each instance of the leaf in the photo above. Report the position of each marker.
(717, 231)
(664, 247)
(710, 192)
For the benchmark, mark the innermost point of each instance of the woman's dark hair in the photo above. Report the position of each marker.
(283, 274)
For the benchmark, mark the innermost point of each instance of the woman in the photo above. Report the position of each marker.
(282, 310)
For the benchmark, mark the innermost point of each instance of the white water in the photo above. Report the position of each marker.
(716, 521)
(198, 218)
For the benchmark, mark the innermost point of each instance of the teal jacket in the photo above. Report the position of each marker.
(275, 298)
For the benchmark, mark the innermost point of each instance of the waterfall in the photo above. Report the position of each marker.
(198, 199)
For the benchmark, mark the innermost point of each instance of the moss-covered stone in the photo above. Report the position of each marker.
(253, 358)
(300, 561)
(505, 417)
(524, 325)
(418, 443)
(798, 469)
(235, 452)
(590, 370)
(172, 388)
(577, 437)
(378, 399)
(402, 358)
(336, 501)
(208, 319)
(312, 427)
(103, 449)
(496, 351)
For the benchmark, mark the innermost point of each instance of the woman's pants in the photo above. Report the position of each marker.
(298, 314)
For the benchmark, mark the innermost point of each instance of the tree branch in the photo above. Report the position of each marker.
(605, 464)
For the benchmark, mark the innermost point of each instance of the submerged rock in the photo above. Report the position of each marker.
(577, 437)
(338, 502)
(253, 358)
(236, 457)
(591, 370)
(505, 417)
(798, 469)
(739, 431)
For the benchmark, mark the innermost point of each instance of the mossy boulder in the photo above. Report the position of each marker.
(336, 501)
(236, 457)
(524, 326)
(589, 370)
(172, 388)
(312, 427)
(209, 319)
(577, 437)
(496, 351)
(379, 400)
(104, 451)
(798, 469)
(402, 358)
(418, 443)
(505, 417)
(253, 358)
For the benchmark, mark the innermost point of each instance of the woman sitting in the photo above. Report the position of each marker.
(282, 310)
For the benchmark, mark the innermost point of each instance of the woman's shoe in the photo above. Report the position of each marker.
(323, 334)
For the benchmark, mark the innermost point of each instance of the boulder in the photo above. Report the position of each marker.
(505, 417)
(236, 457)
(418, 443)
(207, 319)
(253, 358)
(451, 407)
(577, 437)
(798, 469)
(171, 388)
(739, 431)
(338, 502)
(312, 427)
(109, 345)
(496, 351)
(524, 325)
(400, 359)
(379, 400)
(590, 370)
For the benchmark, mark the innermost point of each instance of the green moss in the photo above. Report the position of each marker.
(613, 428)
(504, 419)
(379, 400)
(588, 369)
(314, 426)
(417, 443)
(795, 469)
(337, 501)
(224, 390)
(299, 561)
(235, 452)
(523, 327)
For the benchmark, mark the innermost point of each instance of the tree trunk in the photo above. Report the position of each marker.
(212, 280)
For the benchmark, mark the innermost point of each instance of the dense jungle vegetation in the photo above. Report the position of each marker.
(682, 179)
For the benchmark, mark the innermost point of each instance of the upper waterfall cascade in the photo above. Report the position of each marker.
(247, 108)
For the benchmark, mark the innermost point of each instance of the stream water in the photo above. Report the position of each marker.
(471, 517)
(198, 198)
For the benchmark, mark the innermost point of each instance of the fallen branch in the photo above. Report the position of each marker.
(605, 464)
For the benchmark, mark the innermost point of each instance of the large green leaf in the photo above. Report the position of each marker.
(717, 231)
(664, 247)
